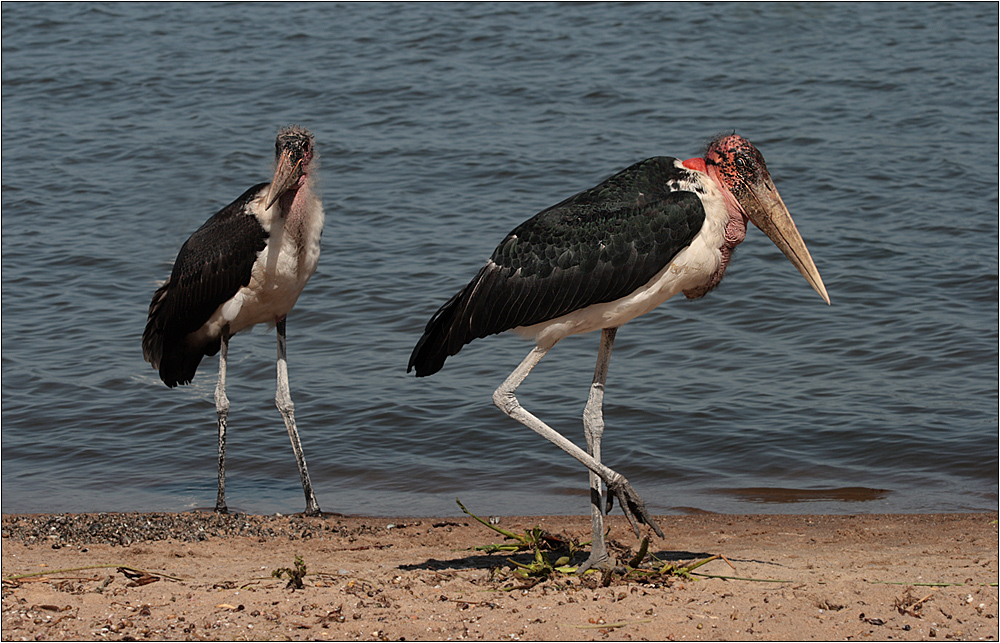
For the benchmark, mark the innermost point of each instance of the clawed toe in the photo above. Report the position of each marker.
(599, 563)
(632, 505)
(603, 564)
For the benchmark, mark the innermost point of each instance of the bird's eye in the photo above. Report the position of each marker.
(741, 162)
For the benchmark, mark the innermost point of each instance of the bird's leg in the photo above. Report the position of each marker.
(593, 428)
(503, 397)
(283, 400)
(222, 409)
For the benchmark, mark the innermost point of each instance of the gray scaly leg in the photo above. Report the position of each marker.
(283, 400)
(593, 428)
(503, 397)
(222, 409)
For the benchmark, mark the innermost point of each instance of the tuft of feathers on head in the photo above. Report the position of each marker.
(297, 140)
(715, 138)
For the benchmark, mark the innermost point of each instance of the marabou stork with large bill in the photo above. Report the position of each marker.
(246, 265)
(598, 260)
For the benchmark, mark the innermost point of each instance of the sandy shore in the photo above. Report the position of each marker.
(198, 576)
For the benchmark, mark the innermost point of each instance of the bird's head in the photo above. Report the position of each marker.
(738, 168)
(293, 151)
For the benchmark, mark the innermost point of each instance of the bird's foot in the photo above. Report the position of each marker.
(598, 561)
(221, 508)
(603, 564)
(632, 505)
(312, 507)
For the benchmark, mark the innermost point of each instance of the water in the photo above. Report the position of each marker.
(441, 127)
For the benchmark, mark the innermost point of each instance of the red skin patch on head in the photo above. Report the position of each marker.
(736, 226)
(696, 164)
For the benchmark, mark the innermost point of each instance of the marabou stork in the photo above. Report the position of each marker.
(603, 257)
(246, 265)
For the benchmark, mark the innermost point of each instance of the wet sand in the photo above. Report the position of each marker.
(198, 576)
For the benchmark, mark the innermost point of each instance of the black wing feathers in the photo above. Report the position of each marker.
(212, 265)
(594, 247)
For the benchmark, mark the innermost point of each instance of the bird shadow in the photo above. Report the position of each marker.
(498, 559)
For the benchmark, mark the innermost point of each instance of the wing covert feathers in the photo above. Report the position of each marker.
(212, 265)
(595, 247)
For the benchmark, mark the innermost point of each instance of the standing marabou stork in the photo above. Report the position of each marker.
(246, 265)
(603, 257)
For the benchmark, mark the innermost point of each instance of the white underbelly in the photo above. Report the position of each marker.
(691, 268)
(275, 284)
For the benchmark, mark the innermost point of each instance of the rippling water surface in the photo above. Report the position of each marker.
(441, 127)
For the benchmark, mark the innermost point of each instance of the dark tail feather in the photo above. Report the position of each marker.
(178, 365)
(437, 342)
(176, 359)
(474, 312)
